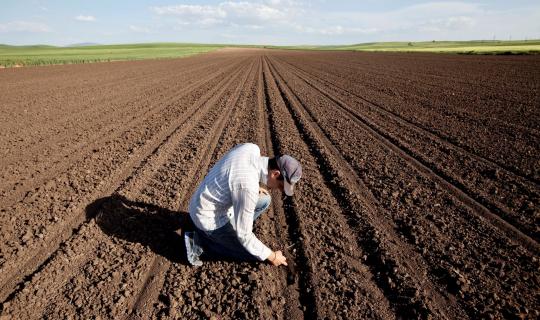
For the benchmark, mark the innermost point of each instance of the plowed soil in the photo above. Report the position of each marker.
(420, 197)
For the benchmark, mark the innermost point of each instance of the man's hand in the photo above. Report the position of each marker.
(277, 258)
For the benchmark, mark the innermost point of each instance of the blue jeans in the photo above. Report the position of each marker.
(222, 243)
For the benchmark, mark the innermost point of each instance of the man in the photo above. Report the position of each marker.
(229, 200)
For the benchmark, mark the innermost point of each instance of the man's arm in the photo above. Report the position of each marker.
(244, 201)
(276, 258)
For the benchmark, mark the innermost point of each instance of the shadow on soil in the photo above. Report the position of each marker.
(150, 225)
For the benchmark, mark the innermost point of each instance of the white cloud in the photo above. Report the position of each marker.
(139, 29)
(285, 15)
(450, 23)
(253, 11)
(193, 14)
(335, 30)
(439, 9)
(85, 18)
(280, 2)
(23, 26)
(425, 19)
(231, 13)
(302, 21)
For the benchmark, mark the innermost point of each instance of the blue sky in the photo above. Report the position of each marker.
(279, 22)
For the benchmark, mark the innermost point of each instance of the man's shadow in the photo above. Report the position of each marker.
(150, 225)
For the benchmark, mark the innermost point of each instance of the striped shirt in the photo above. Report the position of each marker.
(229, 192)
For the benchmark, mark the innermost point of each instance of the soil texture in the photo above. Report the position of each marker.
(420, 197)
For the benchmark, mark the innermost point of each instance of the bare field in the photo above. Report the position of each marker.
(420, 197)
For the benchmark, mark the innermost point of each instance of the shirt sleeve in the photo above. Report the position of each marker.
(244, 201)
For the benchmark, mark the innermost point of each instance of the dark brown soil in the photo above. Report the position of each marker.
(420, 197)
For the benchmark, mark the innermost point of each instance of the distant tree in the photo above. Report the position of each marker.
(410, 44)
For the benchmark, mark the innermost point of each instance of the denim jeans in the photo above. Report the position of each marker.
(222, 243)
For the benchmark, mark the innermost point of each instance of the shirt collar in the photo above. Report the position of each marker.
(263, 170)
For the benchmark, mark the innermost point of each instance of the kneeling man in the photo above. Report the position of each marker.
(230, 199)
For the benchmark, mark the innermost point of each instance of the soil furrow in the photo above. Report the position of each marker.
(91, 108)
(75, 211)
(445, 77)
(161, 186)
(423, 129)
(207, 296)
(67, 155)
(326, 231)
(406, 94)
(125, 203)
(170, 106)
(519, 224)
(441, 115)
(278, 296)
(297, 277)
(400, 286)
(423, 214)
(156, 275)
(419, 197)
(466, 88)
(86, 87)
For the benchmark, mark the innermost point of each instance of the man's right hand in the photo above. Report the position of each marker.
(277, 258)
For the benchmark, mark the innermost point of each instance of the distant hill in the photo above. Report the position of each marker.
(463, 47)
(26, 46)
(90, 52)
(83, 44)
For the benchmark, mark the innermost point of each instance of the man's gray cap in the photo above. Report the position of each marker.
(291, 170)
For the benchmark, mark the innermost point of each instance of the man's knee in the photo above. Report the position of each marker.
(264, 202)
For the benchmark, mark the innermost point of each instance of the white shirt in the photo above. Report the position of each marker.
(229, 192)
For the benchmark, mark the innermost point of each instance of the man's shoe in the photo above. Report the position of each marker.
(193, 250)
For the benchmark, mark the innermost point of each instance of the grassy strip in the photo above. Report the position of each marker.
(463, 47)
(44, 55)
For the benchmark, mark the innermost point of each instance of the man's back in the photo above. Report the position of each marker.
(211, 205)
